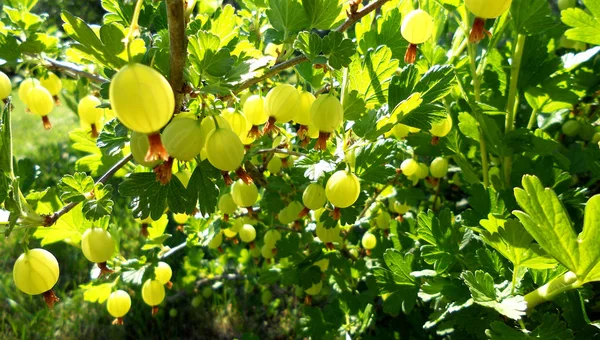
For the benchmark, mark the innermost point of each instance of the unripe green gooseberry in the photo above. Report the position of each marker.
(400, 131)
(271, 237)
(97, 245)
(5, 86)
(207, 292)
(303, 117)
(142, 98)
(139, 148)
(181, 218)
(328, 235)
(254, 110)
(488, 9)
(229, 233)
(26, 85)
(224, 150)
(409, 167)
(267, 251)
(216, 242)
(314, 196)
(342, 189)
(183, 138)
(369, 241)
(118, 303)
(39, 101)
(52, 83)
(227, 205)
(441, 128)
(417, 27)
(571, 128)
(244, 195)
(36, 271)
(315, 289)
(439, 167)
(153, 292)
(88, 110)
(239, 223)
(327, 113)
(282, 103)
(237, 121)
(274, 165)
(247, 233)
(423, 171)
(596, 138)
(564, 4)
(382, 220)
(266, 297)
(323, 264)
(163, 272)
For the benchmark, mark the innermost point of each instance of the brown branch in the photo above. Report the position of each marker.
(177, 48)
(353, 18)
(72, 70)
(51, 219)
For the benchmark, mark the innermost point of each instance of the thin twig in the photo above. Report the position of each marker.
(51, 219)
(72, 70)
(174, 250)
(353, 18)
(177, 48)
(228, 277)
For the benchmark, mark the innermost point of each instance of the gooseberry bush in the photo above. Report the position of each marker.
(383, 168)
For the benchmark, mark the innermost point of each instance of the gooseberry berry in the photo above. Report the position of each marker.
(382, 220)
(181, 218)
(5, 86)
(244, 195)
(118, 304)
(400, 131)
(267, 251)
(229, 233)
(291, 212)
(36, 271)
(409, 167)
(441, 128)
(274, 165)
(144, 102)
(571, 128)
(254, 110)
(224, 150)
(247, 233)
(216, 241)
(52, 83)
(227, 205)
(97, 245)
(303, 116)
(281, 105)
(237, 121)
(327, 114)
(417, 27)
(315, 289)
(183, 138)
(439, 167)
(564, 4)
(328, 235)
(163, 273)
(153, 293)
(208, 125)
(342, 189)
(314, 196)
(40, 102)
(89, 113)
(271, 237)
(26, 85)
(423, 171)
(369, 241)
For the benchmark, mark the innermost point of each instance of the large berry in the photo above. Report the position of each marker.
(247, 233)
(39, 101)
(237, 121)
(254, 110)
(118, 303)
(244, 195)
(224, 150)
(439, 167)
(142, 98)
(153, 292)
(488, 9)
(369, 241)
(52, 83)
(303, 117)
(417, 27)
(409, 167)
(327, 113)
(97, 245)
(342, 189)
(227, 205)
(36, 271)
(5, 86)
(139, 149)
(183, 138)
(314, 196)
(282, 103)
(88, 110)
(441, 128)
(163, 272)
(26, 85)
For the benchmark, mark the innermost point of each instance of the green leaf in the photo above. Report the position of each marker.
(338, 49)
(483, 291)
(373, 161)
(397, 281)
(310, 44)
(99, 293)
(370, 75)
(69, 227)
(287, 17)
(113, 138)
(585, 26)
(321, 14)
(224, 26)
(203, 189)
(38, 43)
(589, 252)
(74, 188)
(532, 16)
(9, 48)
(100, 205)
(551, 328)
